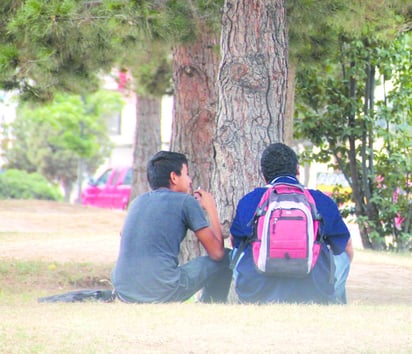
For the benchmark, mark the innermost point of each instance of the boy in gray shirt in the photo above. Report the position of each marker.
(147, 269)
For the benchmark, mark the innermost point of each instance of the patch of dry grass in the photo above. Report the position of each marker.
(26, 280)
(40, 257)
(377, 258)
(45, 217)
(200, 328)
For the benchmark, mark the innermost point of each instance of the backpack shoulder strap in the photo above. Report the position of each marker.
(315, 213)
(239, 252)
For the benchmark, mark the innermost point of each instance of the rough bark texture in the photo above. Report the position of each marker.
(195, 103)
(290, 106)
(252, 88)
(147, 141)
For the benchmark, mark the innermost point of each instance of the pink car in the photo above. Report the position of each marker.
(111, 190)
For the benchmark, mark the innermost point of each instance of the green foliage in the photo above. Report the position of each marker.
(154, 77)
(369, 140)
(313, 26)
(52, 138)
(48, 46)
(16, 184)
(179, 20)
(149, 30)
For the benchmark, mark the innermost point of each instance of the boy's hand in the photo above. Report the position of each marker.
(204, 198)
(210, 237)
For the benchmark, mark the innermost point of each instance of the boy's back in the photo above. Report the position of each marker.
(157, 221)
(279, 164)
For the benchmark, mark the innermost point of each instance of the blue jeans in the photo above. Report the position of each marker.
(342, 264)
(214, 277)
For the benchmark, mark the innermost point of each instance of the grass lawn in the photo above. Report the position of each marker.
(50, 248)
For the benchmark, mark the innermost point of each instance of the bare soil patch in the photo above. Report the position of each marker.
(49, 231)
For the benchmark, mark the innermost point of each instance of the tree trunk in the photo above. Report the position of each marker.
(147, 141)
(252, 88)
(68, 189)
(290, 106)
(195, 71)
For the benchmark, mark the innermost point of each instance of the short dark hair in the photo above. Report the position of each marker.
(161, 165)
(278, 160)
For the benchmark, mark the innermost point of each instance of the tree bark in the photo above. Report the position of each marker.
(290, 105)
(252, 87)
(195, 103)
(147, 141)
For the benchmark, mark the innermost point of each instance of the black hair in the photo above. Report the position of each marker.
(161, 165)
(278, 160)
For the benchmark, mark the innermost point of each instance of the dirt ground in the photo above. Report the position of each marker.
(57, 232)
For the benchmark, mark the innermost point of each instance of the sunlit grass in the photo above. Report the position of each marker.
(403, 259)
(29, 279)
(44, 255)
(199, 328)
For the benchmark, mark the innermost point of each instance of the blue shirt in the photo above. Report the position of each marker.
(255, 287)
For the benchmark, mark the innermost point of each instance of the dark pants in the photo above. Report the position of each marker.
(214, 277)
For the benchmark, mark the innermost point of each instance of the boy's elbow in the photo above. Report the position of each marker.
(217, 255)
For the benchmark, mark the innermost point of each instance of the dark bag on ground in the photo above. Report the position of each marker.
(81, 296)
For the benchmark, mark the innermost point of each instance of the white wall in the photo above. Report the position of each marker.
(8, 105)
(166, 121)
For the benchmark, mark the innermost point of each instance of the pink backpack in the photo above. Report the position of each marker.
(286, 225)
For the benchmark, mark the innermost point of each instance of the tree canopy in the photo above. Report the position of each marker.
(367, 137)
(52, 46)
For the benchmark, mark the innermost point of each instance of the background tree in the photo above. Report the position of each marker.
(374, 138)
(309, 41)
(152, 81)
(145, 55)
(53, 138)
(355, 62)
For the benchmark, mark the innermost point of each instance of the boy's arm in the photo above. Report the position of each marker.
(349, 249)
(210, 237)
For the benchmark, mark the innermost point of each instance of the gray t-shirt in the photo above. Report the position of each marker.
(147, 267)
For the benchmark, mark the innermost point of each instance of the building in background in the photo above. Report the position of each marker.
(122, 125)
(8, 105)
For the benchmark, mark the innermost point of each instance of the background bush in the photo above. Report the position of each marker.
(17, 184)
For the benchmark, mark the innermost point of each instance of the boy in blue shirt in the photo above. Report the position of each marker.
(279, 162)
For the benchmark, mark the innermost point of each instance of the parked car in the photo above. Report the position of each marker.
(111, 190)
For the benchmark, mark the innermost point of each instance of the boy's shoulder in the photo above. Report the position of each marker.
(165, 195)
(253, 195)
(183, 199)
(321, 198)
